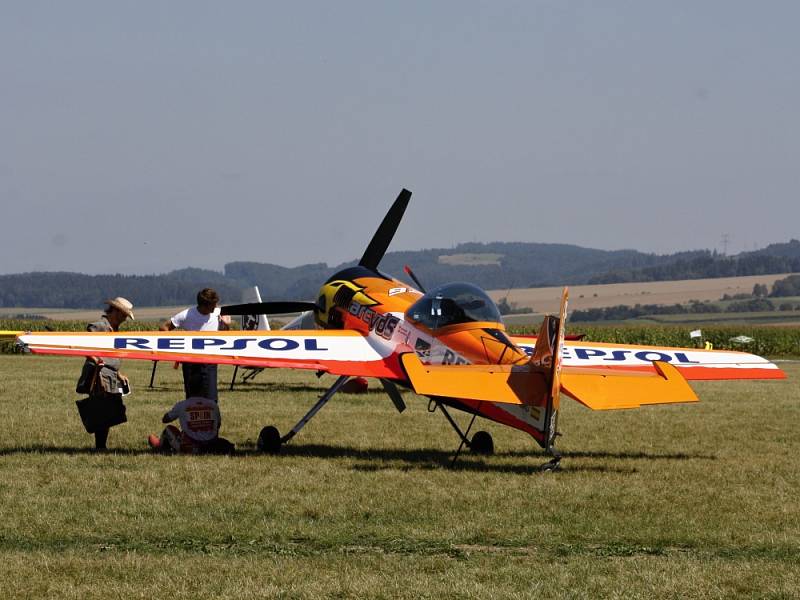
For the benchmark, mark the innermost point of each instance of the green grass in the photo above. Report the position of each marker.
(780, 317)
(721, 318)
(670, 502)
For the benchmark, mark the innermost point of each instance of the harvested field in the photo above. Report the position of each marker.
(581, 297)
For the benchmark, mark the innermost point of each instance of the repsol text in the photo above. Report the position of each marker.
(222, 344)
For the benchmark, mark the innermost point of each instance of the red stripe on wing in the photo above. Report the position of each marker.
(695, 373)
(388, 367)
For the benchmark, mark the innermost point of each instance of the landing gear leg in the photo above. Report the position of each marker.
(554, 464)
(153, 373)
(481, 442)
(249, 373)
(269, 440)
(233, 380)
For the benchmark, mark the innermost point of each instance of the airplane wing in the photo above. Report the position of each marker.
(692, 363)
(336, 352)
(487, 383)
(598, 389)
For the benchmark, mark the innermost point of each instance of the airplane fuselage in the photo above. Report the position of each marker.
(383, 308)
(378, 305)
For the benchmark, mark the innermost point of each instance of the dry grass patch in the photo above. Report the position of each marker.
(582, 297)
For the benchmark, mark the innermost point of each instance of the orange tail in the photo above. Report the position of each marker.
(547, 358)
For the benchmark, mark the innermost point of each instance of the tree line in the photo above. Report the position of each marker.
(708, 266)
(515, 264)
(76, 290)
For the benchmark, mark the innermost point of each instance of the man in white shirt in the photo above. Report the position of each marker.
(200, 379)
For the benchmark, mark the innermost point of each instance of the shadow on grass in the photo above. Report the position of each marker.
(273, 387)
(285, 386)
(640, 455)
(42, 449)
(261, 387)
(379, 459)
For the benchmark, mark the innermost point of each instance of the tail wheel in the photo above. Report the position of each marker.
(269, 440)
(482, 443)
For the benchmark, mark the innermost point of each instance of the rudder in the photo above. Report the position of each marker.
(547, 359)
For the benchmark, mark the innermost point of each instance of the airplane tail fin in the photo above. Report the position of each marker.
(547, 358)
(254, 322)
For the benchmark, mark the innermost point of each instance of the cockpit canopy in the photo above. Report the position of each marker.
(451, 304)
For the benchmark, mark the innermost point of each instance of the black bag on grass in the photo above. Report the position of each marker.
(101, 411)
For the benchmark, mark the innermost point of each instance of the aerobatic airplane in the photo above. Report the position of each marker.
(448, 343)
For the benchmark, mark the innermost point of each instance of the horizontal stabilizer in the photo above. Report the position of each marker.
(602, 389)
(490, 383)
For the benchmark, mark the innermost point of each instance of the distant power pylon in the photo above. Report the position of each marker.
(726, 238)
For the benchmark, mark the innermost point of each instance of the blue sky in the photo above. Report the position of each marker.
(140, 137)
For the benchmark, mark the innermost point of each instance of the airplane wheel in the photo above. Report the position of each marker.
(482, 443)
(552, 465)
(269, 440)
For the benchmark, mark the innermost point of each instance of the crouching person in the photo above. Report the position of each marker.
(199, 420)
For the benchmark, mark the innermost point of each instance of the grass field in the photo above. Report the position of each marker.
(667, 502)
(779, 318)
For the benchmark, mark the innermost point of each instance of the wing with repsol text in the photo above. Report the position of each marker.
(693, 364)
(337, 352)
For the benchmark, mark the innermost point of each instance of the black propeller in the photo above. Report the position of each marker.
(267, 308)
(383, 236)
(372, 256)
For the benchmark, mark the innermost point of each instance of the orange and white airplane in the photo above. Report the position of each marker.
(448, 343)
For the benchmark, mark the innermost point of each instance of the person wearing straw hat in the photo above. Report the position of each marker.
(101, 380)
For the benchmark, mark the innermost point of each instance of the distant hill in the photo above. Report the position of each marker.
(76, 290)
(775, 258)
(496, 265)
(790, 249)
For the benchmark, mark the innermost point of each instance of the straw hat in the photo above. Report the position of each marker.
(122, 304)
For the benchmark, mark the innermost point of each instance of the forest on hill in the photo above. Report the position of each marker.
(497, 265)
